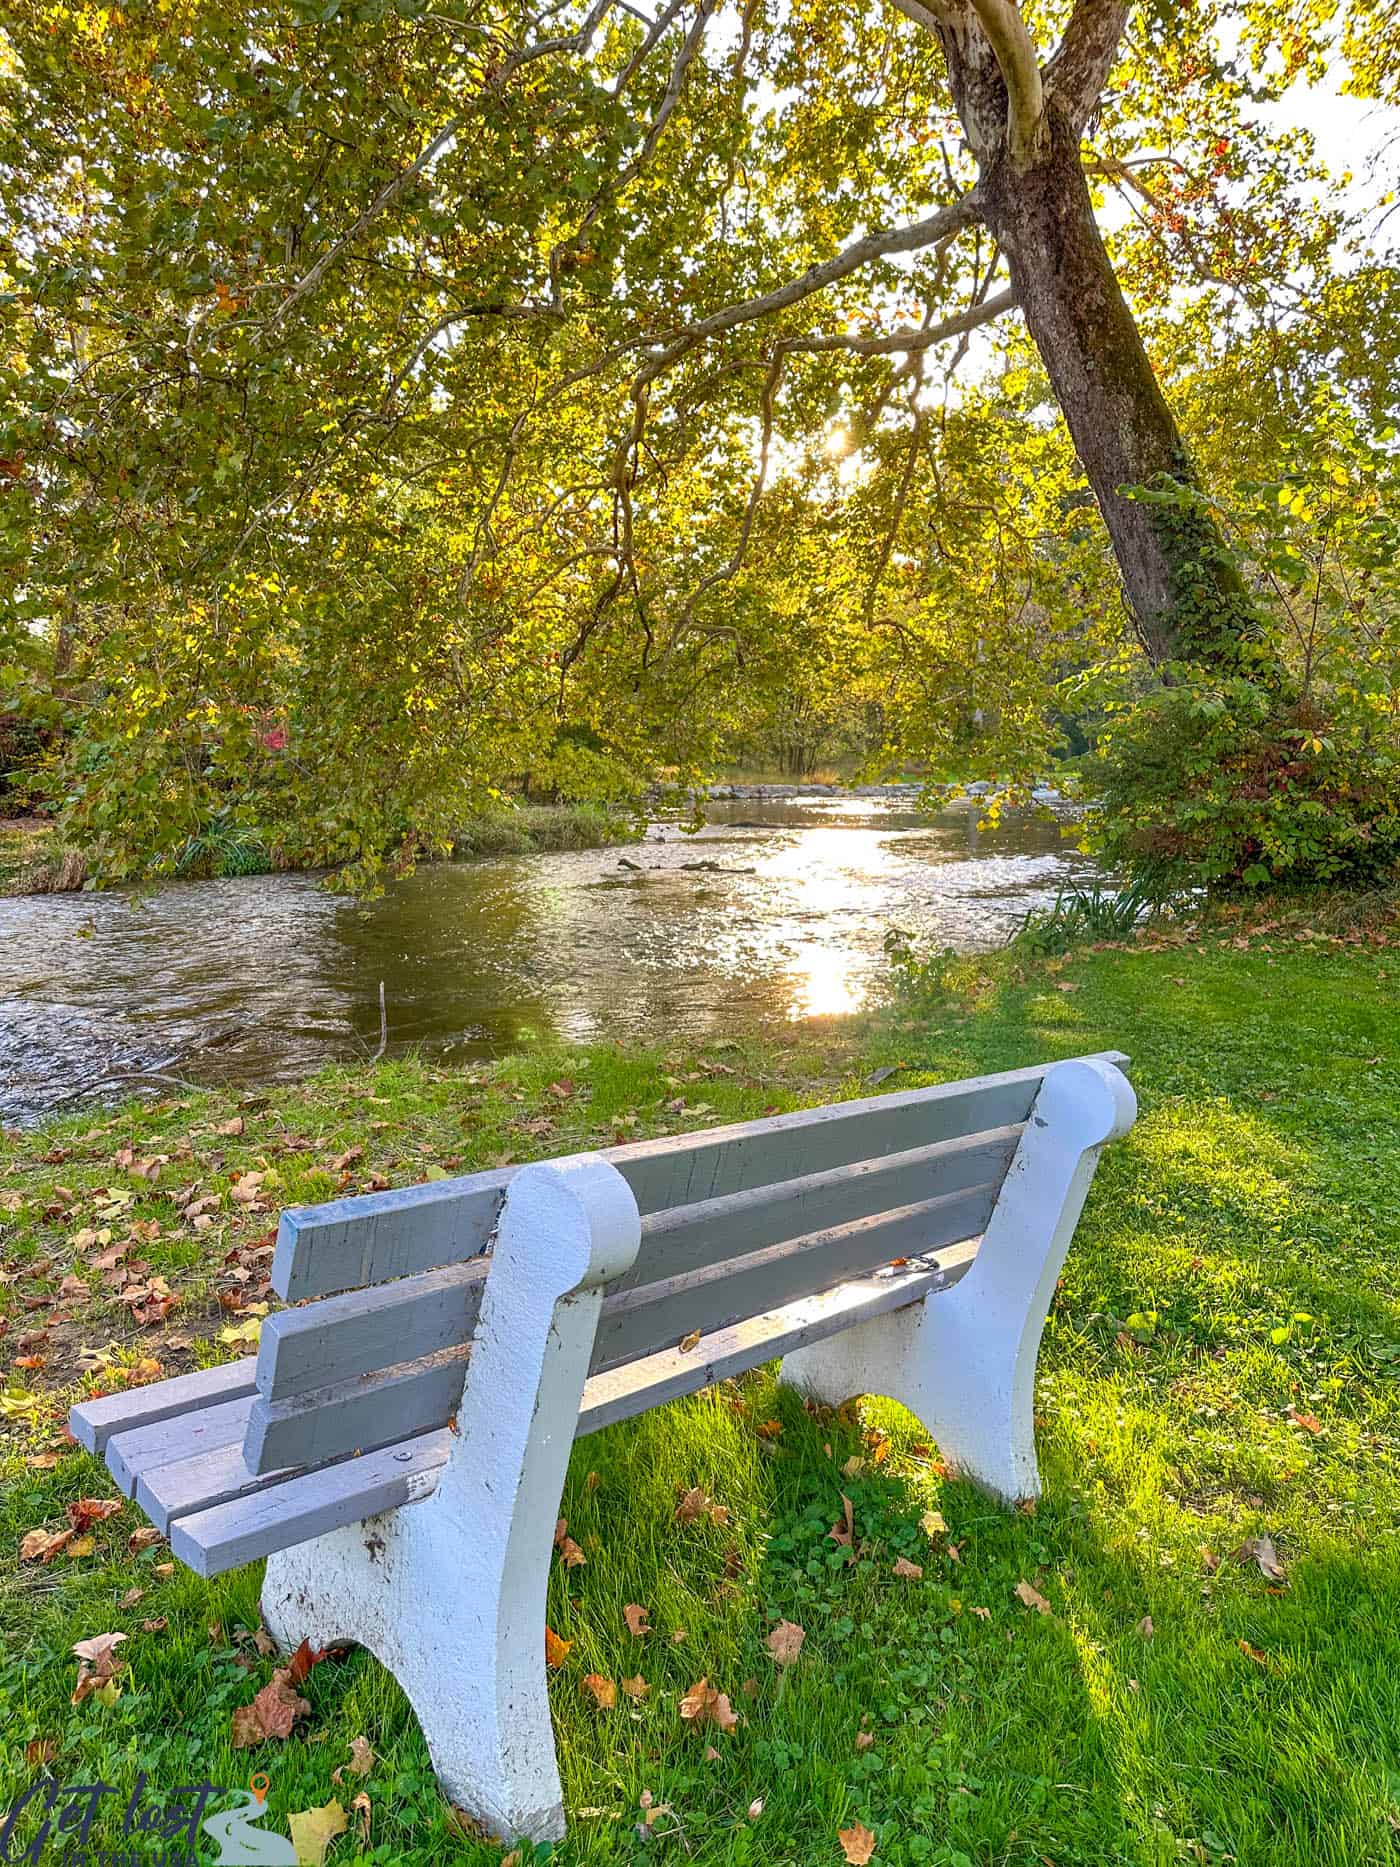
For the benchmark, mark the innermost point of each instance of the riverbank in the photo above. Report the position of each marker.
(34, 862)
(1222, 1364)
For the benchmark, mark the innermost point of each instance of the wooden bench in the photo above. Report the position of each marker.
(452, 1340)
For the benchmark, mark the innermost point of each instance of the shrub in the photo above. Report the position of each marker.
(1279, 763)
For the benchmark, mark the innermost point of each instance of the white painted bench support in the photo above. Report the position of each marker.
(963, 1361)
(450, 1595)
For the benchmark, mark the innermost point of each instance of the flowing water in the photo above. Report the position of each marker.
(266, 976)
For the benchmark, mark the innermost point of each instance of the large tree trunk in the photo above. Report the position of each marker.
(1185, 594)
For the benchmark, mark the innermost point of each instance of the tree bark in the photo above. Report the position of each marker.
(1185, 594)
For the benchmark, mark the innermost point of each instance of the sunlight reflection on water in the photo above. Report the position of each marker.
(789, 922)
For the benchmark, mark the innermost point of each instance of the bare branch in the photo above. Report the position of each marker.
(1009, 37)
(1077, 73)
(920, 233)
(897, 342)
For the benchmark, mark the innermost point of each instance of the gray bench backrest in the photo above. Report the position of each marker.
(736, 1222)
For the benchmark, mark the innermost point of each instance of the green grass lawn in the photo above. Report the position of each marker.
(1222, 1363)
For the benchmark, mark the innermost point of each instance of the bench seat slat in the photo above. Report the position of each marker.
(180, 1437)
(374, 1237)
(245, 1528)
(94, 1422)
(172, 1490)
(281, 1513)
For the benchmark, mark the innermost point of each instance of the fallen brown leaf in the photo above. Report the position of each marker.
(604, 1690)
(636, 1618)
(1260, 1550)
(1032, 1598)
(843, 1533)
(785, 1642)
(556, 1651)
(702, 1704)
(43, 1545)
(273, 1712)
(570, 1554)
(864, 1739)
(907, 1571)
(636, 1687)
(857, 1844)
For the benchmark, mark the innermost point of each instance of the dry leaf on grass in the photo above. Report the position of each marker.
(83, 1512)
(637, 1619)
(142, 1539)
(983, 1614)
(1145, 1627)
(857, 1844)
(570, 1554)
(864, 1739)
(603, 1690)
(844, 1532)
(364, 1810)
(636, 1688)
(43, 1545)
(785, 1642)
(932, 1524)
(313, 1830)
(698, 1503)
(907, 1571)
(98, 1666)
(702, 1704)
(361, 1760)
(273, 1712)
(556, 1651)
(1031, 1598)
(1260, 1550)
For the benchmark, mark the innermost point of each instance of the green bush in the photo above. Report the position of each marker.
(1231, 786)
(1277, 764)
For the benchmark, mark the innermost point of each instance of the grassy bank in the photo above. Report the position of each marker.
(1222, 1364)
(34, 862)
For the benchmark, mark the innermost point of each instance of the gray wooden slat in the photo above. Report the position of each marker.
(375, 1236)
(178, 1437)
(366, 1411)
(342, 1337)
(230, 1534)
(712, 1231)
(657, 1316)
(214, 1539)
(364, 1330)
(93, 1422)
(378, 1236)
(637, 1386)
(212, 1477)
(360, 1415)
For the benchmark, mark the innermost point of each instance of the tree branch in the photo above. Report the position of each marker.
(909, 340)
(394, 187)
(1010, 39)
(920, 233)
(1076, 75)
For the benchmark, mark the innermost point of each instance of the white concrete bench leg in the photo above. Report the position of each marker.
(450, 1593)
(964, 1362)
